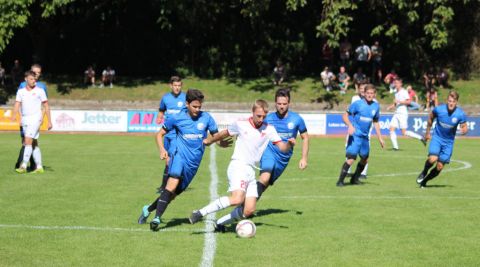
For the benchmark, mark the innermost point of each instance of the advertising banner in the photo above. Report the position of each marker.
(89, 120)
(7, 124)
(416, 123)
(142, 121)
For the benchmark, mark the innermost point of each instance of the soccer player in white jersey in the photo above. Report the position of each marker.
(29, 101)
(400, 118)
(253, 135)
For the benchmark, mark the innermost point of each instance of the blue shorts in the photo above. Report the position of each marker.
(358, 146)
(440, 148)
(179, 169)
(269, 163)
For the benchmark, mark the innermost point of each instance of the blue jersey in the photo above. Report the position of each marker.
(363, 115)
(38, 84)
(171, 104)
(447, 122)
(190, 133)
(287, 127)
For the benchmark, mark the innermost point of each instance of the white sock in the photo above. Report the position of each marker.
(233, 216)
(413, 135)
(393, 137)
(37, 157)
(364, 172)
(27, 153)
(216, 205)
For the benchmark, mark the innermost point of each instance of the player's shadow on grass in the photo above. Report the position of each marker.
(175, 222)
(261, 213)
(439, 186)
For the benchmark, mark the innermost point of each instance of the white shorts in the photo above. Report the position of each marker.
(31, 126)
(241, 176)
(399, 121)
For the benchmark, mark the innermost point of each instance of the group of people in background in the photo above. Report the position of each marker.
(108, 77)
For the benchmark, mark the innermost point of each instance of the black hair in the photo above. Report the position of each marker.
(175, 79)
(283, 92)
(194, 94)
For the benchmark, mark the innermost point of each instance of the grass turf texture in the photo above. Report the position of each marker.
(104, 180)
(305, 90)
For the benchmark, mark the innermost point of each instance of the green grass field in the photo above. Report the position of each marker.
(83, 210)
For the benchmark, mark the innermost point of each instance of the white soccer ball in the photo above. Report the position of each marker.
(246, 229)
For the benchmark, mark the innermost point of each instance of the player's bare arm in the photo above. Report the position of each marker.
(286, 146)
(160, 145)
(379, 134)
(305, 145)
(160, 117)
(216, 137)
(431, 117)
(346, 120)
(46, 111)
(16, 108)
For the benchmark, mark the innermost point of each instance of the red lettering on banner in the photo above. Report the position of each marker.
(135, 119)
(148, 118)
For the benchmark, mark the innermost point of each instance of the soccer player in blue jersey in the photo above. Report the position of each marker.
(191, 129)
(448, 117)
(37, 70)
(170, 104)
(364, 112)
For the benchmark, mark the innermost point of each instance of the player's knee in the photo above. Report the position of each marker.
(248, 212)
(236, 200)
(439, 166)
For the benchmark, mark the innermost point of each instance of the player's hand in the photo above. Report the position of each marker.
(13, 119)
(50, 126)
(382, 143)
(207, 141)
(428, 136)
(302, 164)
(351, 130)
(292, 141)
(163, 154)
(227, 142)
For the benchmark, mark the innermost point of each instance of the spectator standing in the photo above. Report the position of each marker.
(327, 55)
(2, 75)
(429, 79)
(359, 78)
(390, 79)
(279, 73)
(363, 55)
(414, 99)
(345, 52)
(432, 99)
(377, 53)
(442, 78)
(89, 77)
(327, 78)
(108, 77)
(343, 80)
(16, 72)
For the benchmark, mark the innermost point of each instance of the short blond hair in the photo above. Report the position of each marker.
(454, 94)
(260, 103)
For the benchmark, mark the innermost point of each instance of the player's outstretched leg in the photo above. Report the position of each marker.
(416, 136)
(216, 205)
(424, 172)
(433, 173)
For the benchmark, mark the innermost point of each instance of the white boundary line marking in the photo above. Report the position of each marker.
(210, 244)
(466, 165)
(313, 197)
(94, 228)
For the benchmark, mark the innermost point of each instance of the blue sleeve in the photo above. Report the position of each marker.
(212, 125)
(163, 107)
(435, 111)
(22, 84)
(462, 119)
(352, 109)
(377, 114)
(302, 128)
(169, 123)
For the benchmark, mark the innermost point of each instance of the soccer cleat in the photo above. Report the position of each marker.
(355, 181)
(362, 176)
(424, 142)
(420, 178)
(38, 170)
(195, 217)
(340, 184)
(144, 215)
(154, 224)
(21, 170)
(219, 228)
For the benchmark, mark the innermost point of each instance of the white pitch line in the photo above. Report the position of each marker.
(210, 244)
(93, 228)
(466, 165)
(378, 197)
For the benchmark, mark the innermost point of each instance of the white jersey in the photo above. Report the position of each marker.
(251, 141)
(31, 101)
(401, 95)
